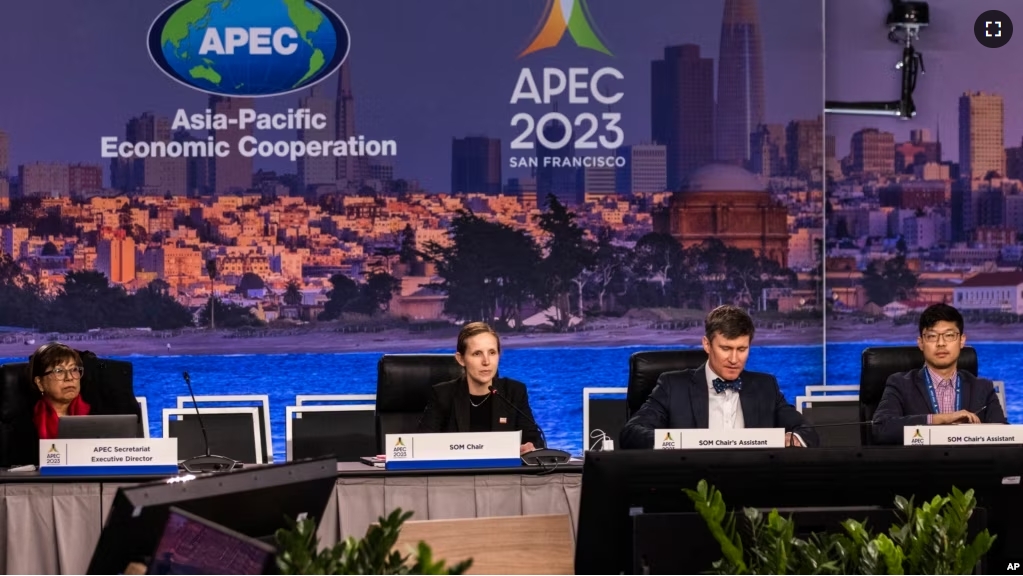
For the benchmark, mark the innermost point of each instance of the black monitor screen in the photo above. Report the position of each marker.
(253, 501)
(619, 485)
(191, 545)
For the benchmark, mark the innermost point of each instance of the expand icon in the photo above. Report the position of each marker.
(248, 47)
(561, 15)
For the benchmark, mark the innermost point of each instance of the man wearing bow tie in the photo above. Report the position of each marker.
(719, 394)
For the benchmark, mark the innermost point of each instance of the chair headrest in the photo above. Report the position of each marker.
(404, 380)
(17, 395)
(880, 362)
(646, 367)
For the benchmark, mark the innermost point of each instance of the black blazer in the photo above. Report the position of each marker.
(905, 402)
(681, 400)
(448, 409)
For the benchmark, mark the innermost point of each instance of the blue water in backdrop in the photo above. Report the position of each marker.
(995, 361)
(555, 378)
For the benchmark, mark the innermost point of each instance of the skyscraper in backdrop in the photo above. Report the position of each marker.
(740, 96)
(350, 169)
(317, 170)
(682, 110)
(232, 173)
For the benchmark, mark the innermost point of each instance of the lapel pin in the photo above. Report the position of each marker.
(502, 421)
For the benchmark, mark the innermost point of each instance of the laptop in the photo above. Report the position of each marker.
(190, 544)
(105, 426)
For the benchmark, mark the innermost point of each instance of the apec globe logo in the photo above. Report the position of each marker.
(249, 48)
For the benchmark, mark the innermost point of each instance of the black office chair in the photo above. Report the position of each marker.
(646, 367)
(880, 362)
(403, 390)
(17, 398)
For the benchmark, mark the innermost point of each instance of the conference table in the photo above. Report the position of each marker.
(50, 525)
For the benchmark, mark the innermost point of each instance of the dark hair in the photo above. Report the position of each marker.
(475, 329)
(49, 355)
(730, 321)
(940, 312)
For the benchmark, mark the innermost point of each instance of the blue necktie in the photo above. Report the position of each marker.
(722, 385)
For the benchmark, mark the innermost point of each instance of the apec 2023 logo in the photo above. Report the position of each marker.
(557, 130)
(248, 48)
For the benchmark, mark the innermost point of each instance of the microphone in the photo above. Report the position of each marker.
(209, 462)
(543, 455)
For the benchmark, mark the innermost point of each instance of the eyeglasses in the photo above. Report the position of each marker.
(64, 373)
(932, 337)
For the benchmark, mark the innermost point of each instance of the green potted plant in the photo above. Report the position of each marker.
(374, 553)
(929, 539)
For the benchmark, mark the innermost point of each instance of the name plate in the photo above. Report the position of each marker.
(962, 434)
(704, 438)
(453, 450)
(108, 456)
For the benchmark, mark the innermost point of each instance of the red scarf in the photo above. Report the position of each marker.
(46, 419)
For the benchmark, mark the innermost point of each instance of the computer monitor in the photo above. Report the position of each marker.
(99, 426)
(253, 501)
(190, 544)
(619, 485)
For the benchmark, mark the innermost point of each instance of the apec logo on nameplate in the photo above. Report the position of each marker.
(453, 450)
(701, 438)
(108, 456)
(962, 435)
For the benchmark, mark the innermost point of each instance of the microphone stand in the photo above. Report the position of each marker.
(541, 456)
(208, 462)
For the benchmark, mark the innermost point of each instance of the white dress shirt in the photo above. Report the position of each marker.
(725, 411)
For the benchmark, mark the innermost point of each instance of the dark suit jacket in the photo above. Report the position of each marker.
(681, 400)
(905, 402)
(448, 409)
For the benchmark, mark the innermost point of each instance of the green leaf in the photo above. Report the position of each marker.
(928, 539)
(373, 554)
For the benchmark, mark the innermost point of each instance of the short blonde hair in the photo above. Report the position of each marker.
(475, 329)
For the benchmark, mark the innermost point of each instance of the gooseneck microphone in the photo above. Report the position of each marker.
(208, 462)
(543, 455)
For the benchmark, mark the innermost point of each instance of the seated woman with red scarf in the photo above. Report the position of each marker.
(57, 386)
(56, 371)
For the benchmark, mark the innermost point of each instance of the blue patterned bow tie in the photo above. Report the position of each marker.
(722, 385)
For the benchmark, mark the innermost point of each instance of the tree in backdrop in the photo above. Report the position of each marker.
(344, 291)
(488, 270)
(88, 301)
(567, 254)
(889, 281)
(388, 254)
(609, 273)
(666, 275)
(407, 245)
(229, 314)
(154, 307)
(21, 301)
(375, 295)
(293, 294)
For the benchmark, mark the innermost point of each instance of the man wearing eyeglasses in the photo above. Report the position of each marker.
(938, 393)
